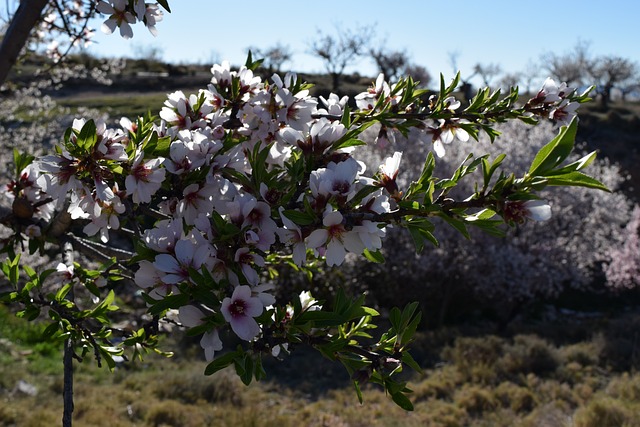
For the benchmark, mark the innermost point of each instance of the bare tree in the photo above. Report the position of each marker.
(487, 72)
(629, 88)
(571, 67)
(529, 75)
(465, 85)
(510, 80)
(339, 49)
(419, 74)
(390, 63)
(274, 57)
(611, 72)
(396, 63)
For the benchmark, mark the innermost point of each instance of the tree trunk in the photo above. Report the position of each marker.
(335, 81)
(67, 358)
(605, 97)
(25, 18)
(67, 391)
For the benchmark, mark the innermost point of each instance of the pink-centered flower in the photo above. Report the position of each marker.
(240, 310)
(118, 17)
(337, 179)
(187, 255)
(145, 178)
(564, 112)
(336, 238)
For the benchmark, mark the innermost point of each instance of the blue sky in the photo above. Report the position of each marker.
(512, 33)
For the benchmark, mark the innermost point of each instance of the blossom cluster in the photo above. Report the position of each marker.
(121, 14)
(68, 17)
(240, 175)
(65, 23)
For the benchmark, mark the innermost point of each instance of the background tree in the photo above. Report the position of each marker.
(571, 67)
(390, 63)
(419, 74)
(510, 80)
(394, 64)
(465, 85)
(487, 72)
(339, 49)
(274, 57)
(529, 76)
(609, 72)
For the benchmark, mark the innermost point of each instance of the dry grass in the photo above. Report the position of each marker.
(492, 381)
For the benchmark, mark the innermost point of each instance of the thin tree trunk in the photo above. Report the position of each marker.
(67, 358)
(67, 393)
(25, 18)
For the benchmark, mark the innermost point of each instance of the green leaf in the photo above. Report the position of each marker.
(408, 360)
(488, 169)
(171, 301)
(349, 143)
(576, 179)
(358, 391)
(14, 271)
(88, 136)
(50, 330)
(246, 373)
(577, 165)
(300, 218)
(321, 318)
(158, 147)
(21, 161)
(62, 292)
(556, 151)
(376, 256)
(395, 317)
(221, 362)
(402, 401)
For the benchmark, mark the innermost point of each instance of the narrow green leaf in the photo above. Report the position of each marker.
(221, 362)
(358, 391)
(402, 401)
(577, 165)
(576, 179)
(62, 292)
(300, 218)
(556, 151)
(376, 256)
(408, 360)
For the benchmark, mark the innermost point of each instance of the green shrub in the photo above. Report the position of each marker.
(528, 354)
(475, 358)
(195, 387)
(606, 412)
(584, 353)
(518, 399)
(475, 400)
(440, 384)
(174, 414)
(444, 414)
(625, 387)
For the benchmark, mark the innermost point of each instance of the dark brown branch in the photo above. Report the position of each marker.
(25, 18)
(67, 391)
